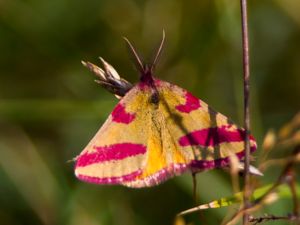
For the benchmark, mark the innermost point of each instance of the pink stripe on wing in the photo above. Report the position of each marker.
(111, 152)
(110, 180)
(119, 115)
(213, 136)
(217, 163)
(192, 103)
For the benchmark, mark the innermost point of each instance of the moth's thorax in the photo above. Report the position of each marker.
(154, 98)
(149, 84)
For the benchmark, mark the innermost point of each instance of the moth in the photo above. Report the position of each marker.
(157, 131)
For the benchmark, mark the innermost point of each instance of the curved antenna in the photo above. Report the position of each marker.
(138, 63)
(159, 50)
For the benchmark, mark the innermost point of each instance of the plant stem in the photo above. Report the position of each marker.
(195, 197)
(246, 75)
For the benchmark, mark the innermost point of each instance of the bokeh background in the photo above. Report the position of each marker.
(50, 106)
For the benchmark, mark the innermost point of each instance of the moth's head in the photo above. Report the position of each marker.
(146, 70)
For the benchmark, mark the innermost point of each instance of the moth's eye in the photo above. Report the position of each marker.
(154, 98)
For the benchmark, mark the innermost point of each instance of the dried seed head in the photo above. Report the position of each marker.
(109, 78)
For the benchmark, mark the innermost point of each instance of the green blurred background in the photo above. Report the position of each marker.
(50, 106)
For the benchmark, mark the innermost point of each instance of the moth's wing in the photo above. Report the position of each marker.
(144, 143)
(117, 153)
(203, 137)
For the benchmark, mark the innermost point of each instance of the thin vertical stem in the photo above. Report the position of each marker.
(246, 69)
(195, 197)
(292, 184)
(291, 173)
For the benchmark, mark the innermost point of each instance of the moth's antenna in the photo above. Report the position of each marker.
(138, 63)
(158, 53)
